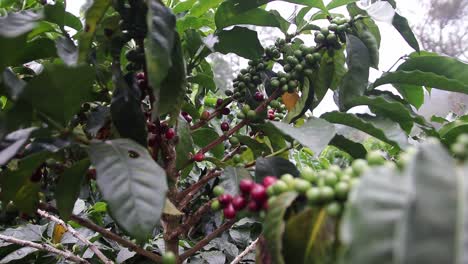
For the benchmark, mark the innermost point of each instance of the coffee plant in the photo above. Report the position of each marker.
(116, 145)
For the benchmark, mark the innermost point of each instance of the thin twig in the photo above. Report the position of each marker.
(190, 221)
(107, 234)
(245, 252)
(187, 194)
(66, 254)
(206, 240)
(70, 229)
(212, 115)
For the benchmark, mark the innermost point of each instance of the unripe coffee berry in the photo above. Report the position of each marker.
(218, 190)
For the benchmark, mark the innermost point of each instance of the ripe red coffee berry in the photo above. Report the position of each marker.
(258, 96)
(239, 203)
(253, 206)
(219, 102)
(246, 186)
(170, 133)
(141, 76)
(184, 113)
(151, 127)
(205, 115)
(229, 212)
(225, 126)
(271, 117)
(225, 199)
(199, 157)
(226, 111)
(258, 193)
(268, 181)
(188, 118)
(265, 205)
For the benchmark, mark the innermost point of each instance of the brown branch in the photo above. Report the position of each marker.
(70, 229)
(212, 115)
(206, 240)
(193, 189)
(107, 234)
(66, 254)
(190, 221)
(245, 252)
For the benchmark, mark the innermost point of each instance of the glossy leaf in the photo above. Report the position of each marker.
(231, 177)
(159, 46)
(69, 186)
(338, 3)
(228, 14)
(414, 94)
(314, 133)
(273, 166)
(241, 41)
(297, 234)
(16, 24)
(274, 225)
(12, 85)
(125, 109)
(54, 84)
(401, 24)
(247, 4)
(257, 148)
(432, 71)
(204, 80)
(13, 143)
(203, 136)
(132, 183)
(449, 132)
(93, 15)
(67, 51)
(200, 7)
(185, 145)
(356, 150)
(372, 46)
(382, 129)
(355, 81)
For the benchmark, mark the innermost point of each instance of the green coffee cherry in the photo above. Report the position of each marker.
(308, 174)
(215, 205)
(245, 108)
(326, 193)
(169, 258)
(359, 166)
(313, 195)
(374, 158)
(301, 185)
(240, 115)
(218, 190)
(237, 158)
(234, 141)
(324, 31)
(330, 178)
(341, 190)
(334, 209)
(280, 187)
(288, 179)
(275, 83)
(251, 114)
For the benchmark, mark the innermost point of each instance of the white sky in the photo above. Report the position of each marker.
(392, 47)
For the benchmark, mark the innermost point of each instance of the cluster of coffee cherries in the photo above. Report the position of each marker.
(276, 110)
(330, 36)
(253, 197)
(460, 147)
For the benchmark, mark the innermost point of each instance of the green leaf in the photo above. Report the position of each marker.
(241, 41)
(432, 71)
(414, 94)
(257, 148)
(13, 143)
(200, 7)
(159, 44)
(401, 24)
(93, 16)
(228, 14)
(355, 81)
(204, 80)
(55, 13)
(296, 235)
(274, 225)
(185, 145)
(66, 50)
(183, 6)
(315, 133)
(69, 186)
(16, 24)
(449, 132)
(393, 109)
(303, 104)
(12, 85)
(231, 177)
(125, 108)
(52, 93)
(12, 181)
(18, 254)
(382, 129)
(203, 136)
(356, 150)
(372, 46)
(273, 166)
(247, 4)
(132, 183)
(338, 3)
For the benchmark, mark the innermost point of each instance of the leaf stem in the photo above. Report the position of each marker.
(315, 231)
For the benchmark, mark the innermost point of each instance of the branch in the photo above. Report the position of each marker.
(106, 233)
(206, 240)
(193, 189)
(212, 115)
(191, 221)
(245, 252)
(70, 229)
(244, 122)
(66, 254)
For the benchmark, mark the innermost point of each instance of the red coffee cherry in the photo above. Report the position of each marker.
(225, 199)
(246, 186)
(170, 133)
(253, 206)
(199, 157)
(225, 126)
(239, 203)
(258, 193)
(268, 181)
(229, 212)
(258, 96)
